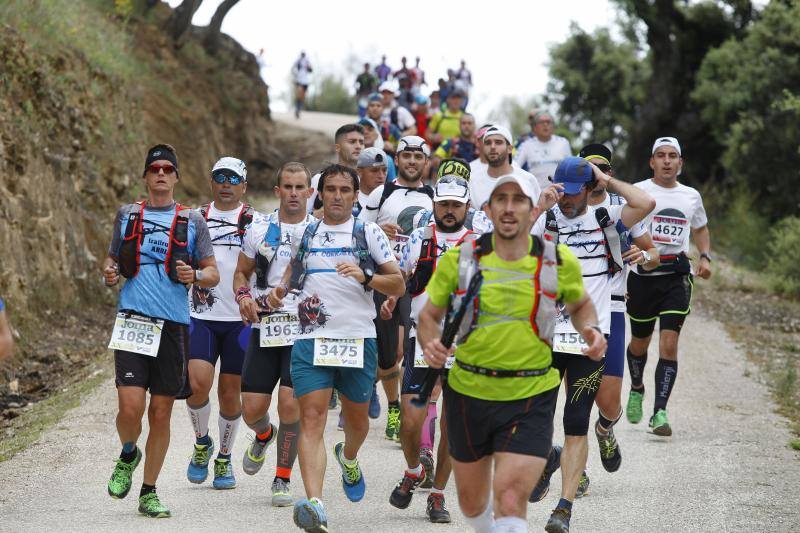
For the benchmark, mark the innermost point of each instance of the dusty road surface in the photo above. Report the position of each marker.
(326, 123)
(727, 468)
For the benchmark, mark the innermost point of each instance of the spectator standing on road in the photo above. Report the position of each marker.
(383, 70)
(366, 84)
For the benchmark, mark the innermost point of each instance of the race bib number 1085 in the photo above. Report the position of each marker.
(137, 334)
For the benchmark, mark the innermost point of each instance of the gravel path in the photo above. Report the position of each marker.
(727, 468)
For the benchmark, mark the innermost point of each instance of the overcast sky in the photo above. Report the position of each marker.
(504, 43)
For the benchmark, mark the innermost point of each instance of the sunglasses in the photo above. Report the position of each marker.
(604, 168)
(221, 176)
(154, 169)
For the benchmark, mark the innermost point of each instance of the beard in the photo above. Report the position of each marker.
(451, 227)
(498, 162)
(411, 177)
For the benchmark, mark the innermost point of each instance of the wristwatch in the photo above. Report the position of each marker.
(368, 275)
(646, 256)
(198, 274)
(708, 257)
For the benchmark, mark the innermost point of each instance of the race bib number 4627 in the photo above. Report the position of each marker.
(669, 229)
(137, 334)
(347, 353)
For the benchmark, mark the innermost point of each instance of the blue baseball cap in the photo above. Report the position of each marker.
(573, 173)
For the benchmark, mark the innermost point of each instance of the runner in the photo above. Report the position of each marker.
(383, 71)
(6, 338)
(154, 245)
(366, 84)
(463, 82)
(394, 114)
(348, 141)
(420, 255)
(301, 74)
(339, 262)
(372, 138)
(541, 154)
(446, 124)
(216, 330)
(666, 292)
(266, 251)
(372, 169)
(497, 146)
(390, 133)
(500, 395)
(463, 146)
(592, 235)
(393, 207)
(637, 249)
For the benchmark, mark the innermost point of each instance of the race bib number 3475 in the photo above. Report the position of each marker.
(137, 334)
(347, 353)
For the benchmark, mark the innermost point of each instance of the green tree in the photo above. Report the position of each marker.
(513, 111)
(331, 94)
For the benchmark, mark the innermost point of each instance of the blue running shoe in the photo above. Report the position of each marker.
(310, 516)
(374, 403)
(352, 478)
(223, 474)
(198, 465)
(543, 487)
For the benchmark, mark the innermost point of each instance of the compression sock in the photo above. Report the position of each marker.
(228, 426)
(605, 424)
(262, 427)
(287, 449)
(636, 366)
(429, 428)
(128, 454)
(395, 403)
(146, 489)
(510, 524)
(199, 416)
(483, 522)
(666, 373)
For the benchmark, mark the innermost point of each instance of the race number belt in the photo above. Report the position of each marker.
(497, 373)
(136, 334)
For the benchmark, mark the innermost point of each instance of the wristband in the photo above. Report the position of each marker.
(597, 329)
(242, 293)
(708, 257)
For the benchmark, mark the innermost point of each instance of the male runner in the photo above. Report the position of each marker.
(383, 71)
(464, 145)
(666, 292)
(372, 139)
(420, 256)
(340, 260)
(6, 339)
(389, 132)
(348, 141)
(395, 114)
(154, 245)
(301, 74)
(372, 168)
(446, 123)
(578, 226)
(266, 251)
(497, 147)
(366, 83)
(541, 153)
(500, 395)
(392, 206)
(216, 330)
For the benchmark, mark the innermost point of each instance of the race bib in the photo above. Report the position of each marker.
(669, 230)
(348, 353)
(397, 244)
(569, 342)
(419, 358)
(278, 329)
(137, 334)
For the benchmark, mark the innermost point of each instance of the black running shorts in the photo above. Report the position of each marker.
(388, 330)
(667, 298)
(164, 374)
(477, 428)
(263, 368)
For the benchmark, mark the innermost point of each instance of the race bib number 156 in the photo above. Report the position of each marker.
(569, 342)
(347, 353)
(137, 334)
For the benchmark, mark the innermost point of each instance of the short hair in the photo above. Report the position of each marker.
(347, 128)
(292, 167)
(336, 169)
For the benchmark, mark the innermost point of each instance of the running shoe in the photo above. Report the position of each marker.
(659, 424)
(543, 487)
(583, 486)
(150, 505)
(340, 424)
(393, 423)
(634, 408)
(352, 477)
(374, 403)
(426, 459)
(610, 455)
(281, 493)
(254, 454)
(223, 474)
(197, 472)
(559, 521)
(436, 511)
(310, 516)
(404, 491)
(334, 401)
(120, 483)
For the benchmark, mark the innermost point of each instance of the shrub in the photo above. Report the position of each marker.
(783, 256)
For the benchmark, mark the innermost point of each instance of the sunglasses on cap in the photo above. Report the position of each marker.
(154, 169)
(451, 186)
(222, 175)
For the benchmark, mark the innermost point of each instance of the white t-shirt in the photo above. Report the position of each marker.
(480, 184)
(277, 246)
(399, 208)
(405, 119)
(620, 279)
(335, 306)
(542, 158)
(586, 240)
(678, 209)
(315, 186)
(219, 303)
(301, 70)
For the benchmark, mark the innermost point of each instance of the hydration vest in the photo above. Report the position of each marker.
(245, 218)
(129, 253)
(544, 281)
(390, 187)
(426, 264)
(359, 248)
(612, 238)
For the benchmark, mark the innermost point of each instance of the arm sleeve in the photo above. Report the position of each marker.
(638, 230)
(445, 279)
(699, 218)
(203, 248)
(570, 279)
(116, 237)
(378, 243)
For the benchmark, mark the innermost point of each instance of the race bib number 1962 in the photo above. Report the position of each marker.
(347, 353)
(278, 329)
(137, 334)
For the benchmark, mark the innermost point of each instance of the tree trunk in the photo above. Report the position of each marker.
(211, 39)
(181, 18)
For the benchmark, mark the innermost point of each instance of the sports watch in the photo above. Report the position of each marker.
(708, 257)
(368, 275)
(198, 274)
(646, 256)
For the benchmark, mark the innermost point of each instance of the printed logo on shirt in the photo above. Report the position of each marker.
(312, 314)
(202, 299)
